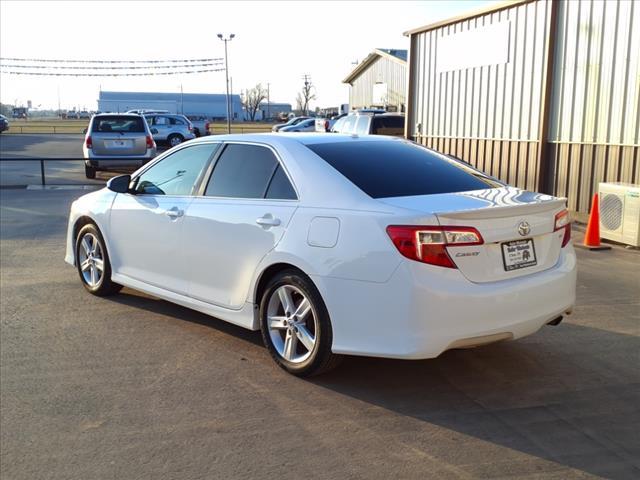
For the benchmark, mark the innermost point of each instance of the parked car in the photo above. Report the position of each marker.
(200, 125)
(325, 124)
(4, 123)
(371, 124)
(330, 245)
(147, 112)
(117, 142)
(73, 115)
(84, 114)
(170, 128)
(293, 121)
(308, 125)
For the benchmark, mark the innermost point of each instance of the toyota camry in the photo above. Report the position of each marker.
(331, 245)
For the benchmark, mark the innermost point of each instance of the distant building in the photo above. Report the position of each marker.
(210, 105)
(272, 110)
(380, 80)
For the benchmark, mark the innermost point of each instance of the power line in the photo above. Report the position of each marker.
(184, 60)
(142, 67)
(137, 74)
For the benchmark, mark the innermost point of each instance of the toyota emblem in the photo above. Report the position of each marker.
(524, 228)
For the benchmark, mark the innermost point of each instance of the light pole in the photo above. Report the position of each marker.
(226, 71)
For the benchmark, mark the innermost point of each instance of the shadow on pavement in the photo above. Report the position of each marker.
(569, 394)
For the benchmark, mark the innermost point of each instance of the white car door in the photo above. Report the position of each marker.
(146, 226)
(242, 215)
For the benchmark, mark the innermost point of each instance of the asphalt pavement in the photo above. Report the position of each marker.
(19, 165)
(131, 387)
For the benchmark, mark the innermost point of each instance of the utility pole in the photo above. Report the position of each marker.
(231, 96)
(307, 81)
(268, 102)
(226, 71)
(181, 100)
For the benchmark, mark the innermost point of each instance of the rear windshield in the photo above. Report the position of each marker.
(400, 169)
(118, 124)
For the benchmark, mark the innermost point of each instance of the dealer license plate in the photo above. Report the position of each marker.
(518, 254)
(119, 143)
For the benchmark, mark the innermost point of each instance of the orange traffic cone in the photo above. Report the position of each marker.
(592, 236)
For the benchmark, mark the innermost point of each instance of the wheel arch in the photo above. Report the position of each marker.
(81, 221)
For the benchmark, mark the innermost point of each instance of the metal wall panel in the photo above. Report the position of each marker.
(382, 70)
(492, 115)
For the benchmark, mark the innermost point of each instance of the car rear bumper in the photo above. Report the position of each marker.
(423, 310)
(113, 162)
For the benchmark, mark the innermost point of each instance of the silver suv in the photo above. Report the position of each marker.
(171, 128)
(116, 142)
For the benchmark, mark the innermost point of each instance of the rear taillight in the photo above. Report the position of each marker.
(206, 127)
(326, 125)
(88, 142)
(150, 142)
(428, 244)
(562, 222)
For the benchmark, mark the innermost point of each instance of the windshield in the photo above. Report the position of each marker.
(118, 124)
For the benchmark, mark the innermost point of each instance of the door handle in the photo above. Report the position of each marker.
(174, 212)
(268, 220)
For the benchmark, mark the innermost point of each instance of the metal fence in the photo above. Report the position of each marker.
(80, 129)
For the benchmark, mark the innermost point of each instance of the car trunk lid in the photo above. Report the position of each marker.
(517, 228)
(116, 144)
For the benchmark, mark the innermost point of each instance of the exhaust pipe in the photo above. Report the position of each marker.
(555, 321)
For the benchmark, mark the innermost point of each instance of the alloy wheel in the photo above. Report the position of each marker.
(292, 323)
(91, 260)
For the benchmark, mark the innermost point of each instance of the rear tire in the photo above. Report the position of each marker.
(92, 262)
(298, 336)
(175, 139)
(90, 172)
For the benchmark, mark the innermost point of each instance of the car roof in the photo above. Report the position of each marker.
(135, 115)
(310, 138)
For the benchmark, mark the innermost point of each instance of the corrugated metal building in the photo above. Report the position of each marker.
(210, 105)
(379, 81)
(542, 94)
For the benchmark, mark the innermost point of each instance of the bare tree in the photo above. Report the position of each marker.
(305, 96)
(252, 99)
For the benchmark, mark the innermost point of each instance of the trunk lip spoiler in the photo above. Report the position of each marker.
(502, 211)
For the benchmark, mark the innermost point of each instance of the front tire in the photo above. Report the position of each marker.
(92, 262)
(295, 325)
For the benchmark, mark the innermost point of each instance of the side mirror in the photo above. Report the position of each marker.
(154, 131)
(119, 184)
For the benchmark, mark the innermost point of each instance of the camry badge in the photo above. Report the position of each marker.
(524, 229)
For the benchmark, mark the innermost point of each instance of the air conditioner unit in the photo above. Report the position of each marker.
(620, 212)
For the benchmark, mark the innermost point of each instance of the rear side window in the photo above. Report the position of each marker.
(118, 124)
(388, 125)
(280, 187)
(242, 171)
(399, 169)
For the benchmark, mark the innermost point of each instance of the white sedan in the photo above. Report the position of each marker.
(331, 245)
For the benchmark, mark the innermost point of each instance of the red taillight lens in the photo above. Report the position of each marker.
(150, 142)
(428, 244)
(326, 125)
(206, 127)
(562, 221)
(88, 142)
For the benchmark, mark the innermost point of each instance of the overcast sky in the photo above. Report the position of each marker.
(276, 42)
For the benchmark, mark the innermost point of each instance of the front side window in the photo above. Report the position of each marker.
(178, 173)
(242, 171)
